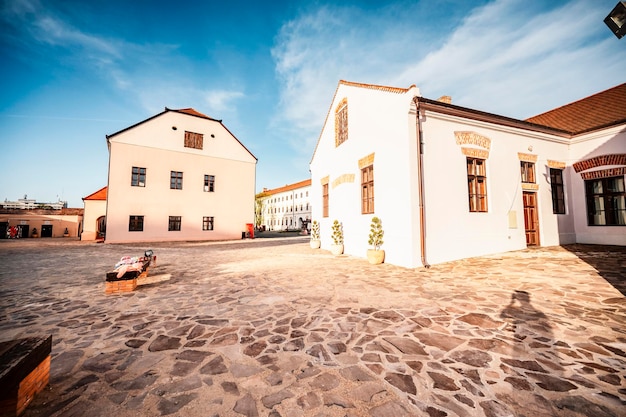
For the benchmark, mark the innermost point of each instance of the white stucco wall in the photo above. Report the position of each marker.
(93, 210)
(453, 232)
(382, 122)
(378, 122)
(154, 145)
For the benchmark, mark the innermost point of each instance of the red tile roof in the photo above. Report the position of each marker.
(193, 112)
(601, 110)
(101, 194)
(288, 187)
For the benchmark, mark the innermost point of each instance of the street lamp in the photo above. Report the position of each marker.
(616, 20)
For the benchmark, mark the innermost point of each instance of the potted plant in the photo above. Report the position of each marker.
(34, 233)
(66, 232)
(337, 247)
(315, 235)
(376, 256)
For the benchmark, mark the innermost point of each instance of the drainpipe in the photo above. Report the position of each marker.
(420, 188)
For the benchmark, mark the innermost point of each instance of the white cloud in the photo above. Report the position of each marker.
(515, 58)
(518, 64)
(222, 101)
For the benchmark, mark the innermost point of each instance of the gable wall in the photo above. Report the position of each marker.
(158, 133)
(232, 203)
(379, 124)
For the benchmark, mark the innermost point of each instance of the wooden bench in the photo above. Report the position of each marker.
(24, 372)
(128, 281)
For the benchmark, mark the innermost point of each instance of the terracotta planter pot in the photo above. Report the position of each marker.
(315, 244)
(375, 257)
(336, 249)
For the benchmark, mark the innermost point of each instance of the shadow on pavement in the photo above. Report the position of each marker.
(609, 261)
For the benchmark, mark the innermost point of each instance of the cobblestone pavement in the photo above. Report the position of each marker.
(274, 328)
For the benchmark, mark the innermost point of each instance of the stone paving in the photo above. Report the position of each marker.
(274, 328)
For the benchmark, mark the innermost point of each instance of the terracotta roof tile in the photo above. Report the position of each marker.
(288, 187)
(376, 87)
(193, 112)
(600, 110)
(101, 194)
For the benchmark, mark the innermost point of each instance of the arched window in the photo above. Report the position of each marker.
(341, 122)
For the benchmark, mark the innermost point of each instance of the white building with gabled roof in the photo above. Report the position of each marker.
(450, 182)
(179, 175)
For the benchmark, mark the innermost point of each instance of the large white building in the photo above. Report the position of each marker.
(31, 204)
(285, 208)
(179, 175)
(452, 182)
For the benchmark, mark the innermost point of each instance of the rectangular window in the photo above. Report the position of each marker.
(176, 180)
(138, 177)
(174, 224)
(477, 184)
(558, 196)
(325, 200)
(207, 223)
(367, 190)
(135, 224)
(209, 183)
(193, 140)
(528, 171)
(606, 202)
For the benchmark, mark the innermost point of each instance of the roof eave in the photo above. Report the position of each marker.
(454, 110)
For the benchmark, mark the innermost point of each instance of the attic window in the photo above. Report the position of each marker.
(341, 122)
(193, 140)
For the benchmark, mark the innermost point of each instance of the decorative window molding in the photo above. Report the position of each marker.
(597, 161)
(527, 157)
(526, 186)
(366, 161)
(603, 173)
(341, 122)
(472, 138)
(475, 153)
(343, 179)
(556, 164)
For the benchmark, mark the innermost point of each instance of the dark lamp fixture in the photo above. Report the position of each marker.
(616, 20)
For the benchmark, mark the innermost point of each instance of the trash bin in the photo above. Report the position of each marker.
(250, 227)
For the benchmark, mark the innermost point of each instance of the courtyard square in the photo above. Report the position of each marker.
(273, 328)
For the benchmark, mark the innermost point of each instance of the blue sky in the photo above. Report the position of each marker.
(75, 71)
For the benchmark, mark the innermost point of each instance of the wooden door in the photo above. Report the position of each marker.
(531, 220)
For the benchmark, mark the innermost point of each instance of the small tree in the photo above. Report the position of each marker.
(259, 202)
(315, 230)
(376, 233)
(337, 233)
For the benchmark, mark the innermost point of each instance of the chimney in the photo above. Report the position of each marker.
(445, 99)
